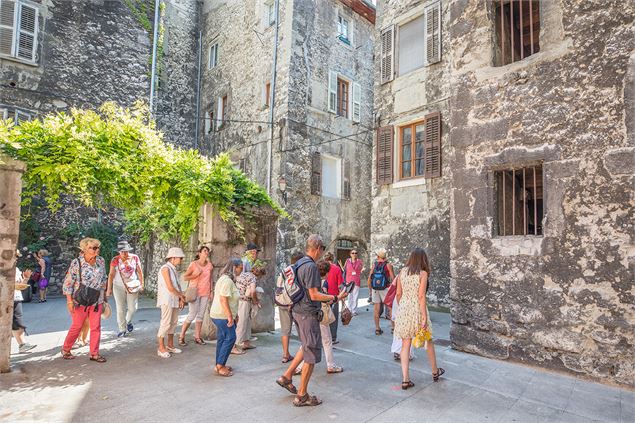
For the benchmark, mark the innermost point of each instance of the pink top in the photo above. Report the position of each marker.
(334, 279)
(353, 271)
(203, 281)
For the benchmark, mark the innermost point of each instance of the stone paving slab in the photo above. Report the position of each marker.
(137, 386)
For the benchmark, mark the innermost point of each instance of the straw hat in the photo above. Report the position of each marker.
(175, 252)
(106, 311)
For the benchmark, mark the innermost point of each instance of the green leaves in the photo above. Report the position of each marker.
(116, 156)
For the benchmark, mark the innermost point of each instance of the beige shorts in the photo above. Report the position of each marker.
(379, 296)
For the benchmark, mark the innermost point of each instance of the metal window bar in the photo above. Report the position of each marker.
(504, 206)
(502, 40)
(513, 202)
(531, 30)
(511, 30)
(524, 203)
(535, 204)
(522, 39)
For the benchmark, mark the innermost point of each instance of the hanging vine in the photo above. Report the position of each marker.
(144, 15)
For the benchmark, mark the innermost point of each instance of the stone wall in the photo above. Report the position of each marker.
(562, 300)
(414, 212)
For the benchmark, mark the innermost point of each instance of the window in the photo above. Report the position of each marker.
(517, 25)
(270, 13)
(342, 29)
(342, 97)
(411, 46)
(267, 94)
(21, 116)
(242, 165)
(18, 116)
(221, 112)
(209, 122)
(331, 177)
(411, 150)
(213, 56)
(18, 30)
(519, 196)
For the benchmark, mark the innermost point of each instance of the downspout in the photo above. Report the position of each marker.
(198, 88)
(155, 41)
(273, 99)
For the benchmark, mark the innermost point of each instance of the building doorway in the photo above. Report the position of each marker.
(343, 249)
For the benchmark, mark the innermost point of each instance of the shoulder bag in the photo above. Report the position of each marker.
(85, 295)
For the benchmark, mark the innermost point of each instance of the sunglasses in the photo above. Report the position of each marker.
(95, 248)
(353, 253)
(322, 247)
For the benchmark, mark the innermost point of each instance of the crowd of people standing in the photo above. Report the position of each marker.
(327, 290)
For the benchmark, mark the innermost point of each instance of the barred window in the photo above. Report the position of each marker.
(517, 24)
(519, 195)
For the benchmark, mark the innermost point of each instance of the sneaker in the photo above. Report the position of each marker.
(121, 334)
(26, 347)
(336, 342)
(163, 354)
(130, 327)
(174, 350)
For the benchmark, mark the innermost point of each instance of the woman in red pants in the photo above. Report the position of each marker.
(85, 279)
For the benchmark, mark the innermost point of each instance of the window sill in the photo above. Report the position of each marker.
(17, 60)
(518, 245)
(410, 182)
(344, 40)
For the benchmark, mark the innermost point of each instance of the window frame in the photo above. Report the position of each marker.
(341, 19)
(500, 193)
(338, 176)
(343, 104)
(267, 93)
(17, 32)
(397, 40)
(413, 152)
(270, 13)
(501, 43)
(213, 46)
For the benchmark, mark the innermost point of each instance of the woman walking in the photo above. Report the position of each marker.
(44, 269)
(324, 267)
(246, 284)
(199, 274)
(170, 299)
(413, 312)
(223, 313)
(125, 281)
(84, 287)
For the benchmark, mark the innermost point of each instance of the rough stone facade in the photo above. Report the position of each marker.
(92, 51)
(413, 211)
(563, 299)
(308, 48)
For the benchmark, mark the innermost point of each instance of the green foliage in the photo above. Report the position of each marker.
(115, 156)
(142, 14)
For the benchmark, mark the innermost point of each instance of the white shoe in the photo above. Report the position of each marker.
(26, 347)
(174, 350)
(163, 354)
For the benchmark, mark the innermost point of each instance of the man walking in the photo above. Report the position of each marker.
(378, 281)
(305, 315)
(353, 269)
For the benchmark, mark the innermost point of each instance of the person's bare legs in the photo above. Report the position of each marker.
(432, 358)
(170, 340)
(307, 371)
(83, 335)
(19, 336)
(376, 315)
(184, 328)
(162, 347)
(405, 359)
(285, 346)
(197, 329)
(299, 357)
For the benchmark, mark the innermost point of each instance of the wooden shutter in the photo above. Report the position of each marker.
(357, 102)
(21, 117)
(8, 13)
(433, 145)
(316, 173)
(4, 114)
(433, 33)
(384, 155)
(332, 106)
(346, 179)
(387, 54)
(219, 113)
(27, 34)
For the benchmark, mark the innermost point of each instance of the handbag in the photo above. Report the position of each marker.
(346, 315)
(133, 284)
(390, 295)
(422, 337)
(85, 295)
(328, 316)
(191, 293)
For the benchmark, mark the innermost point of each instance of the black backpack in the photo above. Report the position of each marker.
(85, 295)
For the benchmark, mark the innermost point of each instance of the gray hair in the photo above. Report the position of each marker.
(230, 266)
(314, 242)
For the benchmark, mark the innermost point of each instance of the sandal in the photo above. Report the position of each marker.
(378, 331)
(200, 341)
(66, 355)
(306, 401)
(396, 356)
(182, 342)
(406, 385)
(237, 351)
(286, 384)
(334, 369)
(223, 371)
(439, 372)
(297, 371)
(98, 359)
(287, 359)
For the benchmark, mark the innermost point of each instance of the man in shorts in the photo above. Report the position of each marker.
(285, 318)
(305, 315)
(378, 296)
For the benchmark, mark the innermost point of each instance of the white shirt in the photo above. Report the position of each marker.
(17, 295)
(164, 297)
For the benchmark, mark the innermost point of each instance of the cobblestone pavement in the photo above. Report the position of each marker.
(136, 386)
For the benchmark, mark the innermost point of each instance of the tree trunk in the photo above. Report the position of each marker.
(11, 176)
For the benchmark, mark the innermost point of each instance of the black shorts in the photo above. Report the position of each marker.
(310, 336)
(18, 323)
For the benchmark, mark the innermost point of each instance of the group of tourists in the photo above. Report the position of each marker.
(317, 290)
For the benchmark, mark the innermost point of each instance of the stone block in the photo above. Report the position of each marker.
(620, 161)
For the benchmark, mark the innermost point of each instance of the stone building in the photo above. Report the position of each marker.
(543, 163)
(58, 54)
(411, 177)
(316, 157)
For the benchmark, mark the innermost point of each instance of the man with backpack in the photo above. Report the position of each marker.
(306, 309)
(379, 280)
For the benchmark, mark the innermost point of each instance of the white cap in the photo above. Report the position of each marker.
(175, 252)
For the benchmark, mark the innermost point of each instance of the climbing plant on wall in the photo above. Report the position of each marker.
(143, 12)
(115, 156)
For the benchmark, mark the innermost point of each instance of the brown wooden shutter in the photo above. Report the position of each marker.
(387, 54)
(316, 173)
(433, 145)
(346, 179)
(433, 33)
(384, 155)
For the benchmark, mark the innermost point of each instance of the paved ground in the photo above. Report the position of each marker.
(135, 385)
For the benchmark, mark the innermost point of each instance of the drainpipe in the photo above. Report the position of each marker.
(155, 41)
(198, 87)
(272, 101)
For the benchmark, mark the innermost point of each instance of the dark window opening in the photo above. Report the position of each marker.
(517, 25)
(342, 98)
(519, 201)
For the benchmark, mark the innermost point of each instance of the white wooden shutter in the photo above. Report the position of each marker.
(346, 179)
(21, 117)
(332, 106)
(357, 102)
(219, 113)
(387, 54)
(27, 32)
(4, 114)
(8, 14)
(208, 123)
(433, 33)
